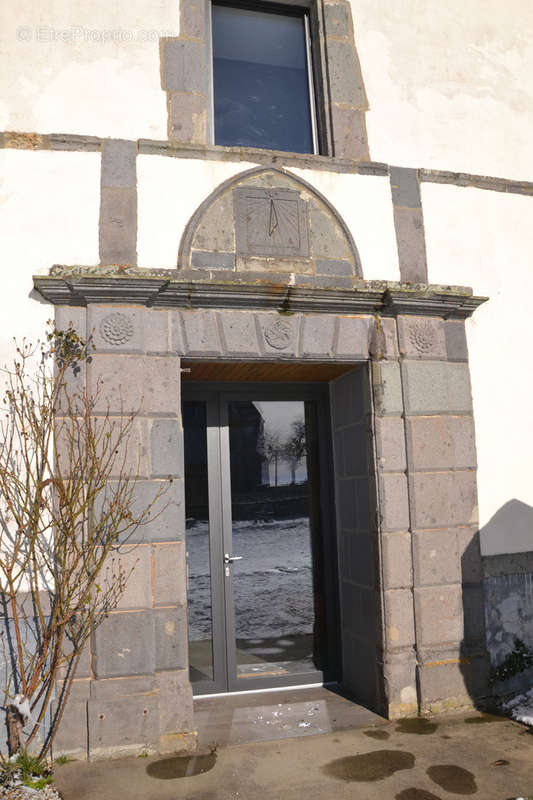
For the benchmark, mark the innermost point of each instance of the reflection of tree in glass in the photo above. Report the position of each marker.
(294, 447)
(292, 450)
(270, 447)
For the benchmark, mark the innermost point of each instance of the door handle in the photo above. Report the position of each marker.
(230, 559)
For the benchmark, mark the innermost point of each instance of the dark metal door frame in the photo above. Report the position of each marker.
(217, 396)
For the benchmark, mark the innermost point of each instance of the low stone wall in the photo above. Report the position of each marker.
(508, 585)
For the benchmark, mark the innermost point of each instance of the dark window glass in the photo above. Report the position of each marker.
(261, 88)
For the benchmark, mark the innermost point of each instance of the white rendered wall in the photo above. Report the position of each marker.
(49, 205)
(484, 239)
(364, 202)
(69, 66)
(448, 83)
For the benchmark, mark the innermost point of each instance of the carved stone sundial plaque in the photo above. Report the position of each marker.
(270, 222)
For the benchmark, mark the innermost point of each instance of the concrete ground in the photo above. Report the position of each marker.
(419, 759)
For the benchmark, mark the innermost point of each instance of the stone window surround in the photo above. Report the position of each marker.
(340, 98)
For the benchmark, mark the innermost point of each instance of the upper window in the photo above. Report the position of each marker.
(262, 79)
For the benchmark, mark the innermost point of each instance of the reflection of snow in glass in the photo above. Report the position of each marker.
(273, 583)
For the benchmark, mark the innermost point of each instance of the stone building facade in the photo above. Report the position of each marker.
(231, 265)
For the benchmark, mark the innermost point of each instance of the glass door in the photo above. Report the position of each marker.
(256, 552)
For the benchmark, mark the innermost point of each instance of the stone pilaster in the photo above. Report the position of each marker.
(133, 691)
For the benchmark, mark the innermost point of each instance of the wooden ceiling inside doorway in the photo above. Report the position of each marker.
(261, 371)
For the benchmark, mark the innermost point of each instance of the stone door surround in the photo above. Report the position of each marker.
(411, 601)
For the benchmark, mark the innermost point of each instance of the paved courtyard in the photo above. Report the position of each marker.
(458, 755)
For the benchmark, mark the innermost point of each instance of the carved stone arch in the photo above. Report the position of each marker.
(267, 220)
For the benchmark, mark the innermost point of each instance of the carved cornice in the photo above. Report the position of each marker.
(79, 286)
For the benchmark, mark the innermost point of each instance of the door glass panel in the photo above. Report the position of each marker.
(197, 541)
(261, 88)
(272, 527)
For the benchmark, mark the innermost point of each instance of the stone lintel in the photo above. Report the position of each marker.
(78, 286)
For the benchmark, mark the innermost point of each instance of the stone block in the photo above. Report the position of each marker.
(411, 243)
(72, 316)
(394, 503)
(165, 521)
(338, 20)
(324, 281)
(330, 267)
(84, 664)
(459, 389)
(192, 19)
(156, 332)
(124, 645)
(435, 558)
(170, 638)
(167, 448)
(118, 226)
(119, 164)
(387, 387)
(175, 701)
(132, 454)
(123, 727)
(441, 442)
(422, 337)
(390, 444)
(455, 335)
(71, 738)
(345, 81)
(187, 118)
(238, 334)
(136, 561)
(352, 338)
(350, 138)
(116, 330)
(405, 187)
(117, 384)
(326, 238)
(474, 614)
(399, 673)
(200, 333)
(279, 334)
(209, 260)
(439, 614)
(469, 555)
(443, 499)
(80, 689)
(162, 381)
(399, 622)
(184, 66)
(444, 686)
(215, 231)
(396, 557)
(170, 576)
(113, 688)
(436, 387)
(317, 336)
(388, 327)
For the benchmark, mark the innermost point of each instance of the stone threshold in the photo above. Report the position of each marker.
(79, 286)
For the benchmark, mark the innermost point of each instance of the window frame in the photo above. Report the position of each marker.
(314, 36)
